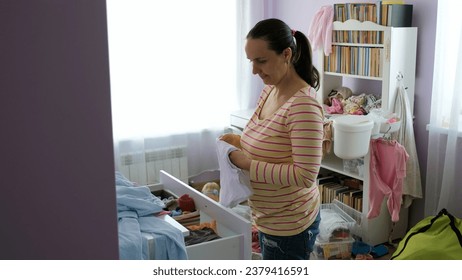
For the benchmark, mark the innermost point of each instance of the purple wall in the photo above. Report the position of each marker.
(58, 195)
(424, 17)
(299, 14)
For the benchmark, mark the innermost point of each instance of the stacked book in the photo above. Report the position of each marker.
(388, 13)
(364, 61)
(344, 189)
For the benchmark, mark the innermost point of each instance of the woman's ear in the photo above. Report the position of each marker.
(287, 54)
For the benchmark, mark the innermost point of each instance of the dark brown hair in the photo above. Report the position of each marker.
(279, 37)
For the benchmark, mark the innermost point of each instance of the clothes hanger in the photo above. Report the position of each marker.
(386, 135)
(387, 138)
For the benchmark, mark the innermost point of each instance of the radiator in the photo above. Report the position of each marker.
(144, 167)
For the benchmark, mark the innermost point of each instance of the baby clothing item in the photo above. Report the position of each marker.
(336, 107)
(320, 32)
(136, 210)
(186, 203)
(387, 171)
(234, 182)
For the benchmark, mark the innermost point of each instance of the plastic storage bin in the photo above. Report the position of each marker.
(338, 250)
(336, 224)
(352, 134)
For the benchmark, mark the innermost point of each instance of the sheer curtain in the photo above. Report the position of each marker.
(249, 86)
(173, 76)
(178, 69)
(444, 176)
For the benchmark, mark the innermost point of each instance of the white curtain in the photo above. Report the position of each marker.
(444, 168)
(178, 69)
(173, 75)
(249, 85)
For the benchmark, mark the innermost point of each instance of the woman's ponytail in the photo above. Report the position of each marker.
(303, 60)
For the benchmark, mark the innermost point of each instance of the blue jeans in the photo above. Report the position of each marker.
(295, 247)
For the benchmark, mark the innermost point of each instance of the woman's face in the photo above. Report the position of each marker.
(270, 66)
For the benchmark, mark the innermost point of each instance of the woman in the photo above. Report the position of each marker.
(282, 143)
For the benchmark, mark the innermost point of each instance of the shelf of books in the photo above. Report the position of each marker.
(357, 50)
(361, 62)
(347, 190)
(337, 180)
(366, 45)
(387, 13)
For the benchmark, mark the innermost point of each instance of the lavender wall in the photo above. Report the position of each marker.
(58, 197)
(299, 14)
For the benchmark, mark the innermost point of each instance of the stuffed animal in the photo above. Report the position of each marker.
(212, 190)
(233, 139)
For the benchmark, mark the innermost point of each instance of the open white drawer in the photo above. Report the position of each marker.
(235, 231)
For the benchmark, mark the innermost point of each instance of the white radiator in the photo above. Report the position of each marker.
(144, 167)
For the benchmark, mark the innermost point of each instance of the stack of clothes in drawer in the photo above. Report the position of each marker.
(137, 208)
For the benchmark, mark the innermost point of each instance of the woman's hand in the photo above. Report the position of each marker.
(232, 139)
(239, 159)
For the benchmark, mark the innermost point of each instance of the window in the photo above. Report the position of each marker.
(172, 66)
(444, 143)
(447, 91)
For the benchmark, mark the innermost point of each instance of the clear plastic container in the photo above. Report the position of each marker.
(354, 166)
(338, 250)
(350, 218)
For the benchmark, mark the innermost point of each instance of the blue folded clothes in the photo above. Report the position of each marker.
(361, 248)
(379, 251)
(136, 206)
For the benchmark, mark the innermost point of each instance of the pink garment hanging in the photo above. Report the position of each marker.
(387, 171)
(320, 31)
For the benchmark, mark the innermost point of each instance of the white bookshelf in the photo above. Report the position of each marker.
(398, 56)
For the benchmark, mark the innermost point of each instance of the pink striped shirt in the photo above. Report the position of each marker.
(286, 152)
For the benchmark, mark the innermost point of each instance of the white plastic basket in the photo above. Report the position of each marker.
(343, 214)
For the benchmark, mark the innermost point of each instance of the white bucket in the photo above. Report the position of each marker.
(352, 134)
